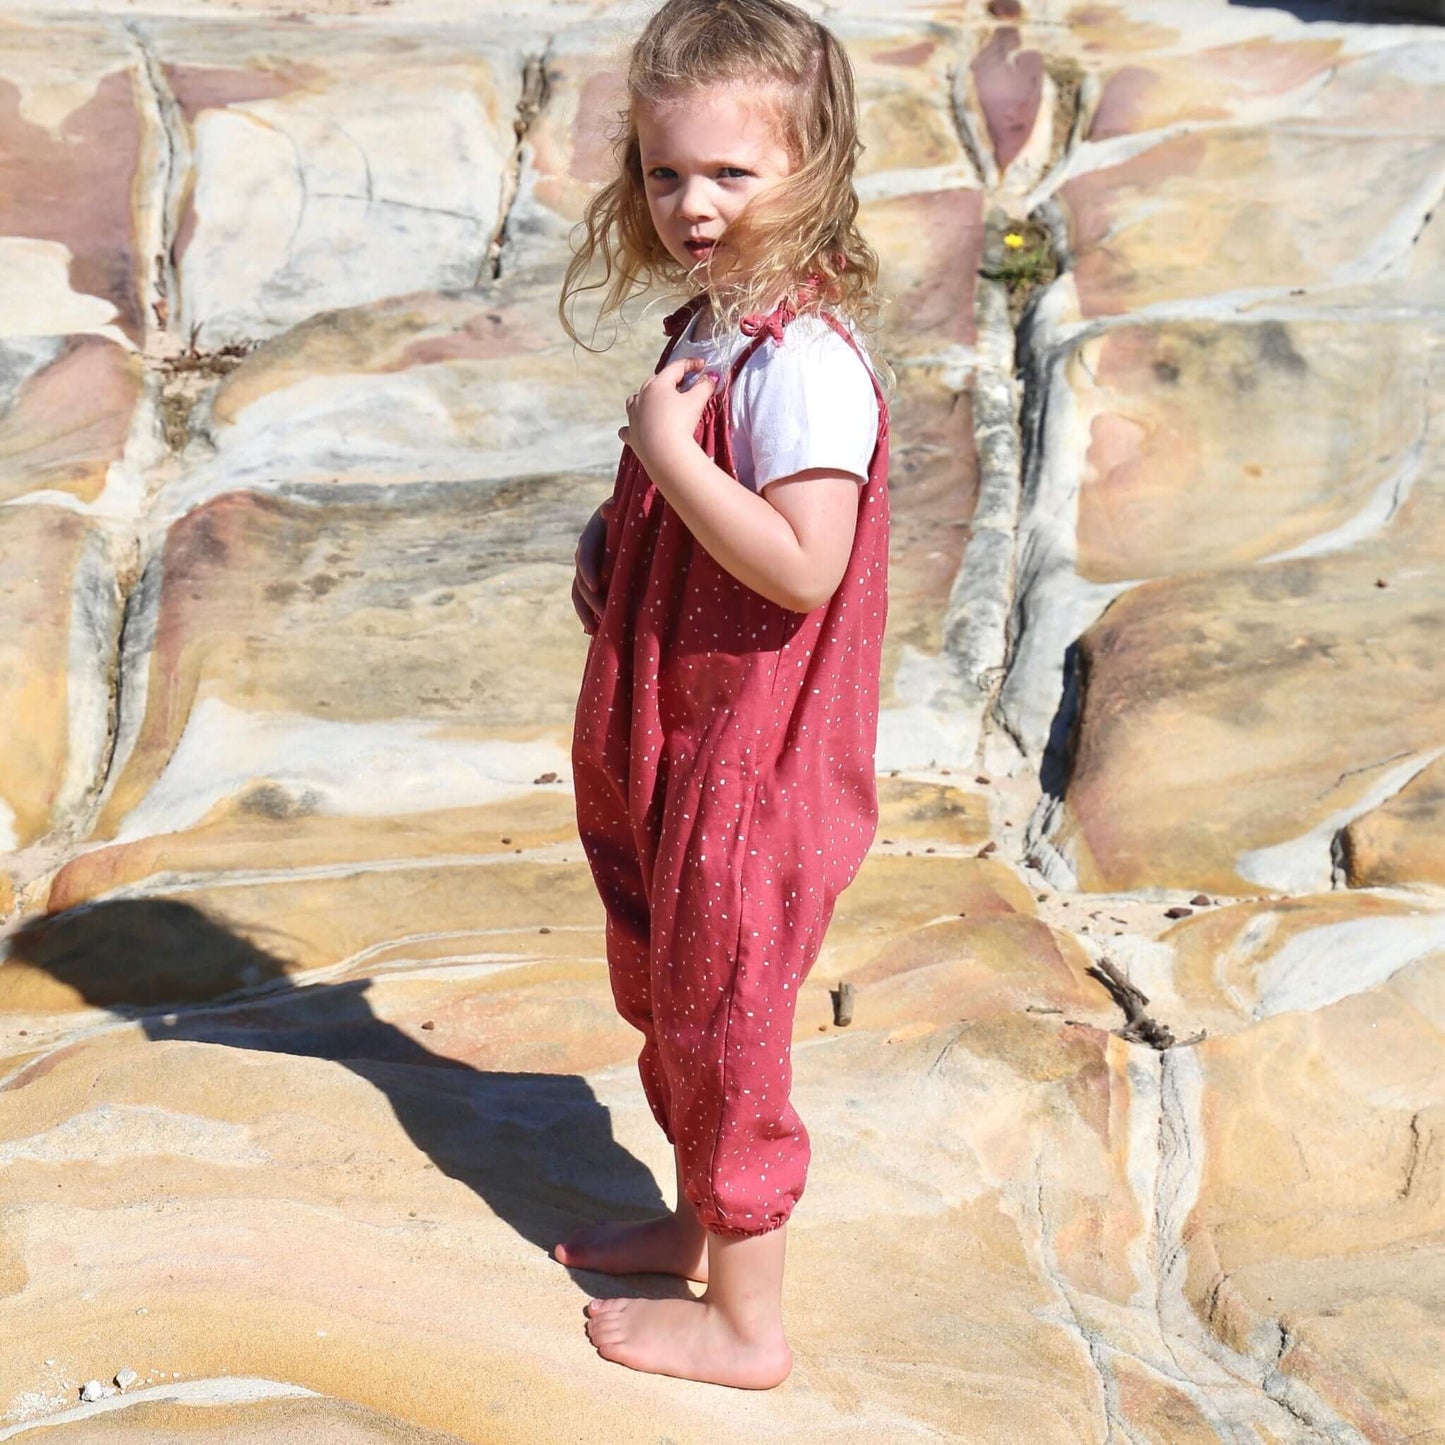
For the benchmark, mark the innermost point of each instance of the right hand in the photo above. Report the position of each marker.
(587, 594)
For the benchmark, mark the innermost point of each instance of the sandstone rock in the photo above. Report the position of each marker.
(379, 160)
(1214, 223)
(1263, 657)
(307, 1047)
(447, 672)
(70, 122)
(218, 1410)
(1402, 839)
(1195, 457)
(67, 405)
(59, 614)
(1257, 78)
(1319, 1198)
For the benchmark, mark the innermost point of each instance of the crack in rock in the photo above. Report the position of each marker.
(530, 104)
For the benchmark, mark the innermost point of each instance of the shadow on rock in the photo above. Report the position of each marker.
(538, 1148)
(1367, 12)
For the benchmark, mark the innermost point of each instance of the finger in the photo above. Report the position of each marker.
(676, 370)
(589, 604)
(591, 584)
(580, 607)
(589, 569)
(623, 435)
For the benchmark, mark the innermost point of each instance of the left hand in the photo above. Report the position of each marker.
(661, 417)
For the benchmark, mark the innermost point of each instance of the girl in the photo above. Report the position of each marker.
(734, 586)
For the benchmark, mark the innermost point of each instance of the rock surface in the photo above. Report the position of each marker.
(307, 1049)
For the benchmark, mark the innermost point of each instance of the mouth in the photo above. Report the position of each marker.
(699, 250)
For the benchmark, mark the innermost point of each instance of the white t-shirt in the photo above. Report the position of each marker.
(807, 402)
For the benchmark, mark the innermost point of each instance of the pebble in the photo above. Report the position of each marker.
(126, 1377)
(1201, 900)
(1178, 911)
(987, 848)
(94, 1390)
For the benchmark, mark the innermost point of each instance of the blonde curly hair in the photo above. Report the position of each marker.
(804, 227)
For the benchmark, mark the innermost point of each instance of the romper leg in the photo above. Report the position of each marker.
(607, 840)
(738, 919)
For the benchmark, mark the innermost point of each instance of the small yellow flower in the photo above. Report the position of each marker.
(1013, 240)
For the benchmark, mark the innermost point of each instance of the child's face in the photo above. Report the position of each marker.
(705, 156)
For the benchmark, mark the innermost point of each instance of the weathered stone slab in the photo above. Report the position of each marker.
(1210, 212)
(72, 135)
(58, 616)
(469, 386)
(463, 654)
(1244, 80)
(1230, 967)
(931, 812)
(932, 491)
(347, 1149)
(248, 829)
(65, 412)
(1230, 723)
(1195, 453)
(1280, 701)
(215, 936)
(933, 241)
(1401, 840)
(238, 1412)
(1313, 1243)
(360, 166)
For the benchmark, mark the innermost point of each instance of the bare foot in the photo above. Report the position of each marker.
(668, 1244)
(692, 1339)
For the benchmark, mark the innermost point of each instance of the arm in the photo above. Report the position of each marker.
(790, 543)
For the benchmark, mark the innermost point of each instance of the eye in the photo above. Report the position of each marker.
(735, 172)
(662, 173)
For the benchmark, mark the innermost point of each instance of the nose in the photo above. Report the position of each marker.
(694, 204)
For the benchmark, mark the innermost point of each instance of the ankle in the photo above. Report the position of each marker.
(745, 1275)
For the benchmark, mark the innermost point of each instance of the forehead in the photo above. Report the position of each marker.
(729, 119)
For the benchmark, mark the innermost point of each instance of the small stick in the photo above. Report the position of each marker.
(1138, 1026)
(842, 997)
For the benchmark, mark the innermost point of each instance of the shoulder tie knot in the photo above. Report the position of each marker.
(772, 323)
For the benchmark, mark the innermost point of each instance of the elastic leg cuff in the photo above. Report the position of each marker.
(729, 1231)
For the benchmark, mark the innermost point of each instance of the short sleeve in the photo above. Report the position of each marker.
(803, 403)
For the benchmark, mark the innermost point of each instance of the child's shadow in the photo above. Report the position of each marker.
(538, 1148)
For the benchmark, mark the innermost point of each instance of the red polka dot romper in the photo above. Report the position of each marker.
(723, 760)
